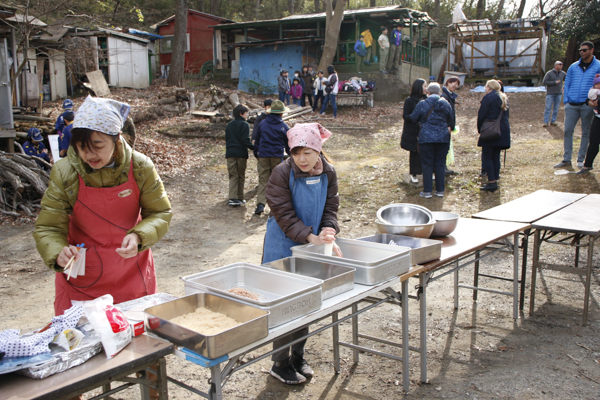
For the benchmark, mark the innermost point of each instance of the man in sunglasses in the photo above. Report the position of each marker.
(579, 80)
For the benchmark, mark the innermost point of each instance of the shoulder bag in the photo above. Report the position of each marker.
(490, 130)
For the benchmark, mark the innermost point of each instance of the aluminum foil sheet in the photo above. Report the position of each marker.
(63, 360)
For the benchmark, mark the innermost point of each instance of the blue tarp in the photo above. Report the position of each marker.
(263, 64)
(514, 89)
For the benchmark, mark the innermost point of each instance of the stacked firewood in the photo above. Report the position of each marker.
(22, 183)
(24, 122)
(171, 102)
(217, 104)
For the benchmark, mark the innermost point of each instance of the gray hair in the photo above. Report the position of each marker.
(434, 88)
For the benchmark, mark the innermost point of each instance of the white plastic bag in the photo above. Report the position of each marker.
(108, 322)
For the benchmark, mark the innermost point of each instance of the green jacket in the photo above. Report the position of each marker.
(52, 226)
(237, 139)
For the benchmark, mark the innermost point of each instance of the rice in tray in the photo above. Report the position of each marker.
(205, 321)
(244, 293)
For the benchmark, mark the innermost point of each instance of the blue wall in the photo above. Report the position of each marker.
(265, 63)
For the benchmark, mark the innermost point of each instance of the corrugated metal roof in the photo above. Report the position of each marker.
(172, 17)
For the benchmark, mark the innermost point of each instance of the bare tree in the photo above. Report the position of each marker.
(257, 9)
(373, 3)
(214, 7)
(481, 9)
(290, 4)
(333, 23)
(317, 6)
(499, 10)
(521, 9)
(179, 45)
(436, 10)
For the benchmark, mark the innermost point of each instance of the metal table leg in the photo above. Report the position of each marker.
(534, 266)
(336, 343)
(456, 285)
(405, 345)
(476, 275)
(588, 279)
(216, 384)
(524, 267)
(161, 383)
(516, 277)
(355, 332)
(423, 327)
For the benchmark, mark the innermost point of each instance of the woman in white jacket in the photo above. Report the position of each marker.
(332, 91)
(319, 89)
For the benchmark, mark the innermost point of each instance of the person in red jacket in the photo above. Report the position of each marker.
(296, 92)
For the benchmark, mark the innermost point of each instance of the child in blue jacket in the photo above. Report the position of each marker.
(34, 146)
(60, 121)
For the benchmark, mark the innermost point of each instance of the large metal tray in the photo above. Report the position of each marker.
(422, 250)
(253, 324)
(287, 296)
(374, 262)
(336, 278)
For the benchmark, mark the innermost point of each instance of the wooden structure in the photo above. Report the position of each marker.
(508, 49)
(7, 46)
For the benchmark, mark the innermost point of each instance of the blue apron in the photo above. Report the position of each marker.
(309, 195)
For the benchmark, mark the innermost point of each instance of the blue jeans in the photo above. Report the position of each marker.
(330, 98)
(552, 104)
(297, 102)
(433, 159)
(285, 97)
(572, 115)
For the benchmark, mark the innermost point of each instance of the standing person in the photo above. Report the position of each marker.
(384, 49)
(448, 93)
(296, 92)
(579, 80)
(255, 131)
(493, 103)
(331, 91)
(34, 146)
(303, 196)
(361, 52)
(410, 131)
(298, 75)
(269, 144)
(64, 138)
(319, 89)
(283, 86)
(435, 115)
(368, 39)
(395, 49)
(237, 141)
(594, 146)
(553, 80)
(109, 197)
(60, 121)
(307, 88)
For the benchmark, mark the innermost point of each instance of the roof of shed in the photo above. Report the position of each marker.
(172, 17)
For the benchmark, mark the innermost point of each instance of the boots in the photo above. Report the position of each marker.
(490, 187)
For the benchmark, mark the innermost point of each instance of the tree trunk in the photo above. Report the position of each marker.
(257, 10)
(214, 7)
(521, 9)
(481, 8)
(290, 6)
(373, 3)
(179, 44)
(317, 6)
(436, 10)
(499, 10)
(333, 23)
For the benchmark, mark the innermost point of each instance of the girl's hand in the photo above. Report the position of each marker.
(66, 254)
(337, 250)
(327, 235)
(129, 247)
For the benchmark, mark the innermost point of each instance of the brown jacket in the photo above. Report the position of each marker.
(279, 198)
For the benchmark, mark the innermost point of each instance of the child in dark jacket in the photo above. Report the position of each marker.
(237, 141)
(34, 146)
(296, 92)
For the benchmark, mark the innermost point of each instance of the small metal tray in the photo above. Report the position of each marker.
(374, 262)
(287, 296)
(253, 324)
(336, 278)
(422, 250)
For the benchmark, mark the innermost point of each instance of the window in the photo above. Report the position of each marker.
(166, 44)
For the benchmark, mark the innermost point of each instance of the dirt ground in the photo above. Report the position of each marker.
(477, 351)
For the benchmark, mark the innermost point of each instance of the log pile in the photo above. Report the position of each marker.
(171, 102)
(24, 122)
(22, 184)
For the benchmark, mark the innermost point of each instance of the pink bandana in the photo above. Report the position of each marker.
(308, 135)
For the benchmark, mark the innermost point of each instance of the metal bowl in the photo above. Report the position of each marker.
(419, 231)
(445, 223)
(404, 214)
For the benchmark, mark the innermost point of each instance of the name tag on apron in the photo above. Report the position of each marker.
(313, 181)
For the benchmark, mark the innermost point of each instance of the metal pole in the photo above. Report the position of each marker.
(516, 276)
(588, 279)
(476, 275)
(536, 258)
(456, 286)
(405, 344)
(336, 343)
(524, 267)
(423, 327)
(355, 332)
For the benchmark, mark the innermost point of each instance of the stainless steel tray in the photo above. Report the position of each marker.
(336, 278)
(253, 326)
(374, 262)
(287, 296)
(422, 250)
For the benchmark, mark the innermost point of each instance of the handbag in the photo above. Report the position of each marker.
(490, 129)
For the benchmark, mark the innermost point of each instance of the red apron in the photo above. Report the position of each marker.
(101, 218)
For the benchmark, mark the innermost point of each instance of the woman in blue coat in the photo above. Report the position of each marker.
(492, 104)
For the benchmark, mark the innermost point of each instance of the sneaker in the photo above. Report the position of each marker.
(301, 366)
(438, 194)
(260, 208)
(563, 164)
(544, 125)
(414, 179)
(426, 195)
(553, 124)
(579, 164)
(286, 373)
(583, 171)
(235, 202)
(449, 172)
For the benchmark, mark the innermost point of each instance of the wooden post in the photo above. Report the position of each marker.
(472, 51)
(496, 55)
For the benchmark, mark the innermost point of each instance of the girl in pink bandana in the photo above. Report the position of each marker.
(303, 196)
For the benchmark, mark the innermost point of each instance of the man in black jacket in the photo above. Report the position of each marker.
(237, 141)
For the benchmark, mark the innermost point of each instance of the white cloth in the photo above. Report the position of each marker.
(102, 115)
(593, 94)
(30, 345)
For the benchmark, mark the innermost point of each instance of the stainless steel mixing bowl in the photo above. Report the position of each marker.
(419, 231)
(404, 214)
(445, 223)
